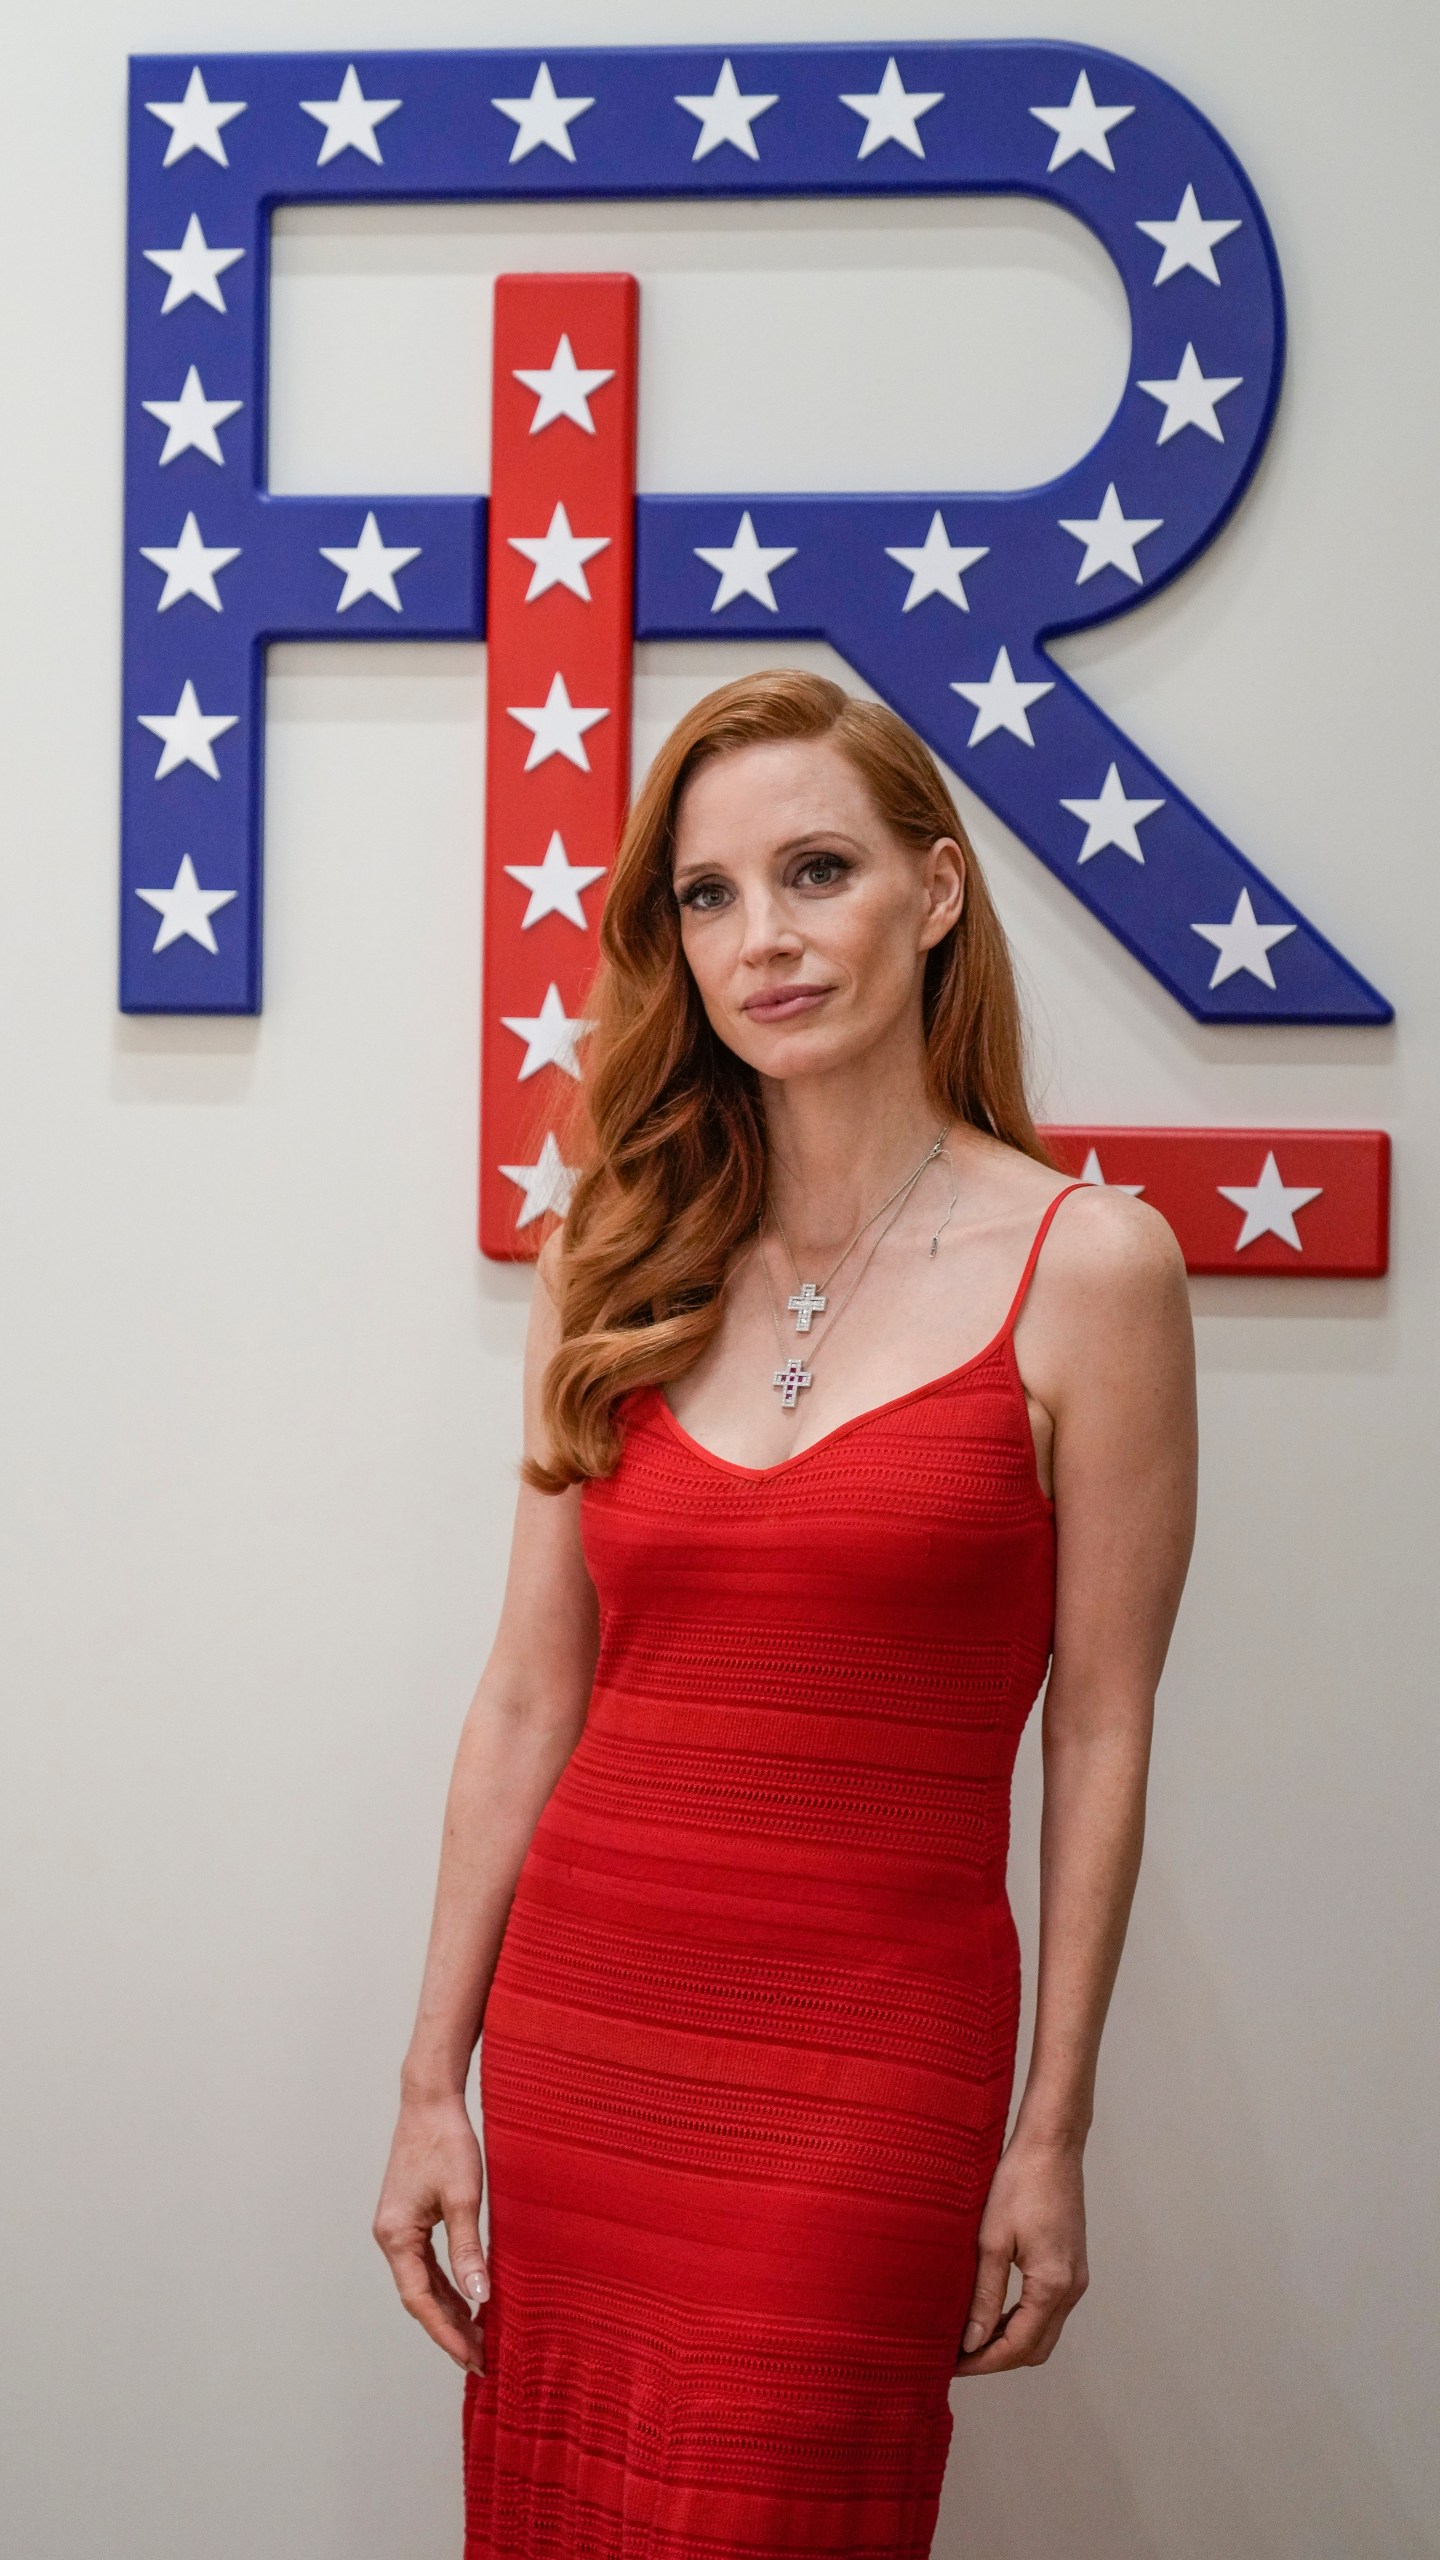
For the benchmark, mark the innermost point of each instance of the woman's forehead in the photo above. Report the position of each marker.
(778, 783)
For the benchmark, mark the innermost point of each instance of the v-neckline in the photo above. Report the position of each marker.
(1000, 1342)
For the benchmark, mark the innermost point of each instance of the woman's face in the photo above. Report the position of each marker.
(804, 919)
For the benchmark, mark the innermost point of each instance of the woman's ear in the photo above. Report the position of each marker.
(945, 890)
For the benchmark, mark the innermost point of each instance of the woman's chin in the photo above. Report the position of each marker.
(800, 1048)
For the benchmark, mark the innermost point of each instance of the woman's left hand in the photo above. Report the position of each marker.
(1034, 2218)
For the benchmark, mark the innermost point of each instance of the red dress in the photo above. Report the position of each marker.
(749, 2049)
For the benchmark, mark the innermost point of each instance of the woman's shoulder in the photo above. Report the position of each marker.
(1108, 1295)
(1108, 1238)
(1100, 1243)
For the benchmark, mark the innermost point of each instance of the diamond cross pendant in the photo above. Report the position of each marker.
(790, 1380)
(808, 1303)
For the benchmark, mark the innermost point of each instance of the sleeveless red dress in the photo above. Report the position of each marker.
(749, 2049)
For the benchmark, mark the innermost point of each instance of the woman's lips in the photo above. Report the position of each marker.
(781, 1004)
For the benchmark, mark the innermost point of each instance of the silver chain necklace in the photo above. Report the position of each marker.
(793, 1376)
(809, 1300)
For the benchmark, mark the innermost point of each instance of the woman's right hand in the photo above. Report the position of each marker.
(434, 2175)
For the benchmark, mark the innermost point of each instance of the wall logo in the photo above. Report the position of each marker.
(942, 601)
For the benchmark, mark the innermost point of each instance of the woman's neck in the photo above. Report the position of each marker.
(839, 1144)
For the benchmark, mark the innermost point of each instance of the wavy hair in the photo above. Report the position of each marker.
(669, 1128)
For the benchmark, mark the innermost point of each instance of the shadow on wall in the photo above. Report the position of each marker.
(1185, 2413)
(184, 1057)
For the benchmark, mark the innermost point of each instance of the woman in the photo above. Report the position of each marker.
(824, 1461)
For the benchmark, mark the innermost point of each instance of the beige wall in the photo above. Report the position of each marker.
(258, 1395)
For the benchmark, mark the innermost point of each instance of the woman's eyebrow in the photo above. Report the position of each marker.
(813, 836)
(819, 836)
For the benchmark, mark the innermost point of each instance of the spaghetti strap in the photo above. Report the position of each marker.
(1033, 1257)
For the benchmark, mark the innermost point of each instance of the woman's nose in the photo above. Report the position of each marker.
(767, 927)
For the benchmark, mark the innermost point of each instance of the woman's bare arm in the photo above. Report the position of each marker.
(522, 1725)
(1111, 1353)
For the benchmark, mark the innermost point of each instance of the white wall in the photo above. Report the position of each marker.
(259, 1393)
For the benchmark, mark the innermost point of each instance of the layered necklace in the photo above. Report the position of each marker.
(811, 1297)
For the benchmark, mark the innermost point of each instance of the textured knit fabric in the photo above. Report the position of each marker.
(749, 2050)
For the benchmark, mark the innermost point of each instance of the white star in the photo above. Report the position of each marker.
(555, 884)
(1243, 943)
(549, 1036)
(563, 389)
(547, 1184)
(1190, 399)
(195, 121)
(186, 733)
(937, 566)
(557, 727)
(1112, 819)
(192, 420)
(186, 909)
(558, 556)
(370, 566)
(189, 568)
(1268, 1205)
(726, 115)
(1110, 538)
(1001, 702)
(1188, 241)
(745, 566)
(1082, 126)
(542, 118)
(892, 112)
(193, 268)
(350, 119)
(1090, 1172)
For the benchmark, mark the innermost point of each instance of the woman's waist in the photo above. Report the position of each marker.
(723, 1945)
(793, 1809)
(972, 1665)
(834, 1737)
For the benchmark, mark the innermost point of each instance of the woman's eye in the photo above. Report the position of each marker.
(823, 870)
(705, 896)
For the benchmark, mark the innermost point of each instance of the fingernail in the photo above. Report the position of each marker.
(478, 2288)
(974, 2332)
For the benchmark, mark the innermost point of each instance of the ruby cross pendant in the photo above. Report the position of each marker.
(790, 1380)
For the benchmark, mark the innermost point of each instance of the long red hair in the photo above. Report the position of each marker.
(669, 1129)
